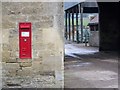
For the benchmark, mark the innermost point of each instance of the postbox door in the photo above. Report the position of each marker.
(25, 40)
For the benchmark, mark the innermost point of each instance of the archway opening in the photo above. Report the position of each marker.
(81, 28)
(85, 66)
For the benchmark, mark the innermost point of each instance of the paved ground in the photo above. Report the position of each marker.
(90, 70)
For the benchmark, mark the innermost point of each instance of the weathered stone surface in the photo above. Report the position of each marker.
(44, 24)
(8, 24)
(25, 71)
(37, 66)
(12, 8)
(14, 45)
(0, 45)
(12, 60)
(5, 36)
(39, 46)
(10, 18)
(5, 56)
(47, 44)
(0, 35)
(32, 9)
(21, 18)
(0, 54)
(94, 38)
(38, 54)
(11, 69)
(5, 47)
(25, 64)
(38, 38)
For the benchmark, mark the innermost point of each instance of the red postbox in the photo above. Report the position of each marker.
(25, 40)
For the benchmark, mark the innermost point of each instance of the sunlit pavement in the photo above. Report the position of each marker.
(86, 67)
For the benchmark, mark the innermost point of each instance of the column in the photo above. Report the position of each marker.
(73, 24)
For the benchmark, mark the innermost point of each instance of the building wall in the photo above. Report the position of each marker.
(94, 38)
(45, 69)
(109, 26)
(0, 45)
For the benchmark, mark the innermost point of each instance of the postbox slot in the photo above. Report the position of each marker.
(25, 28)
(24, 25)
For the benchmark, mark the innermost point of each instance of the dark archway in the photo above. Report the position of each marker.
(109, 25)
(108, 22)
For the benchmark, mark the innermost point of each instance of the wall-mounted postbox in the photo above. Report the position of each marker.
(25, 40)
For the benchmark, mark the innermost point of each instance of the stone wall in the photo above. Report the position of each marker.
(45, 69)
(0, 45)
(94, 38)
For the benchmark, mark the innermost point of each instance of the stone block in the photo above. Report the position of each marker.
(59, 75)
(51, 35)
(37, 38)
(31, 10)
(11, 18)
(34, 53)
(0, 54)
(14, 44)
(37, 31)
(24, 60)
(5, 10)
(21, 18)
(11, 69)
(13, 82)
(13, 54)
(49, 63)
(25, 64)
(5, 36)
(44, 24)
(34, 18)
(37, 66)
(10, 60)
(5, 47)
(25, 71)
(38, 54)
(46, 18)
(11, 8)
(94, 38)
(38, 46)
(6, 24)
(59, 63)
(47, 73)
(13, 32)
(0, 32)
(48, 8)
(59, 9)
(48, 52)
(5, 56)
